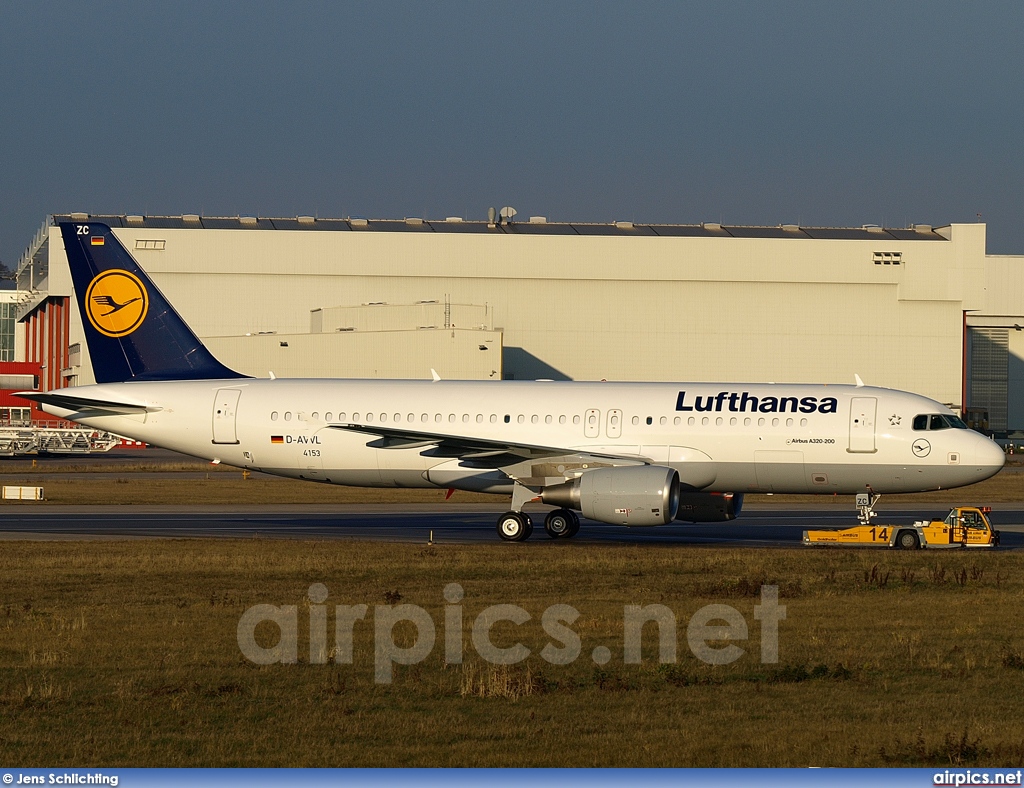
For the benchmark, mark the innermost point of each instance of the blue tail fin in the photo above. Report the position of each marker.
(133, 333)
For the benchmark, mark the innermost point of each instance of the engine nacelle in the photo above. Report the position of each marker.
(709, 507)
(627, 495)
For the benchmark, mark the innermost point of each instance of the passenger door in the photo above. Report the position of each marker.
(225, 412)
(862, 425)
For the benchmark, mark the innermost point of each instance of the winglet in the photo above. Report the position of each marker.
(860, 383)
(434, 375)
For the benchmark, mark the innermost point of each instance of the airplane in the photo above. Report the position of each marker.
(634, 454)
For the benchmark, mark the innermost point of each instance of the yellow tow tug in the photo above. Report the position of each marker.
(964, 526)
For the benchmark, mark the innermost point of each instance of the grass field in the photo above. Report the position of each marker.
(223, 485)
(125, 653)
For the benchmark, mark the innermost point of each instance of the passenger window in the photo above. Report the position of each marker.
(677, 421)
(561, 419)
(369, 418)
(451, 418)
(288, 416)
(494, 418)
(760, 422)
(398, 417)
(719, 421)
(383, 417)
(437, 418)
(547, 419)
(341, 416)
(789, 422)
(705, 421)
(533, 419)
(636, 420)
(732, 421)
(691, 421)
(803, 422)
(575, 419)
(521, 418)
(315, 415)
(650, 421)
(424, 417)
(465, 418)
(273, 416)
(412, 417)
(663, 421)
(746, 422)
(479, 418)
(507, 418)
(775, 422)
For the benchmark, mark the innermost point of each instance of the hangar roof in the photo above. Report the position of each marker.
(918, 232)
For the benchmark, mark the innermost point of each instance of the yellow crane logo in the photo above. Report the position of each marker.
(116, 302)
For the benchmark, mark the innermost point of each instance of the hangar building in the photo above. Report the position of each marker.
(920, 308)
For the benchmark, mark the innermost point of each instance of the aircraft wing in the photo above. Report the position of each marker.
(85, 404)
(489, 453)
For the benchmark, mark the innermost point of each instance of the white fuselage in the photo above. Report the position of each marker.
(719, 437)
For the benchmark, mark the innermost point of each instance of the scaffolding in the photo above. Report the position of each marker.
(54, 440)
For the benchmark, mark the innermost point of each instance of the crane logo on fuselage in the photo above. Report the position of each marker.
(116, 302)
(743, 402)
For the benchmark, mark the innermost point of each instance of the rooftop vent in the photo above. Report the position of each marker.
(191, 218)
(133, 218)
(922, 228)
(453, 219)
(78, 216)
(358, 222)
(790, 228)
(624, 225)
(249, 221)
(872, 228)
(305, 219)
(538, 220)
(413, 220)
(713, 226)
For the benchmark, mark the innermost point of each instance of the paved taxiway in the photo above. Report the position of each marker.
(450, 523)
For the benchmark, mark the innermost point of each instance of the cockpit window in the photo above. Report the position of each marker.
(938, 421)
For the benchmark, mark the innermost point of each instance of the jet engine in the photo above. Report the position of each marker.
(626, 495)
(709, 507)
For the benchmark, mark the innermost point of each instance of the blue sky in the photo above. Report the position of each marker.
(747, 113)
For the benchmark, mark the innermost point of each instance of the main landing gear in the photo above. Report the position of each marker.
(559, 524)
(562, 524)
(516, 526)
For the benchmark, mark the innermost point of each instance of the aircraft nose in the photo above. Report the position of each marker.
(988, 457)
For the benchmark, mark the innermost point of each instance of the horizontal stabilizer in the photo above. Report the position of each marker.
(80, 404)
